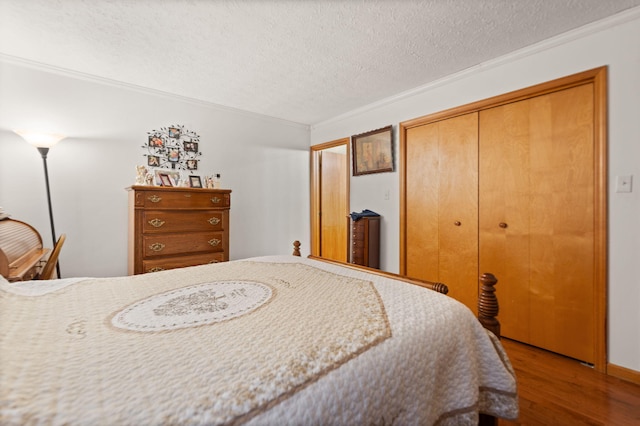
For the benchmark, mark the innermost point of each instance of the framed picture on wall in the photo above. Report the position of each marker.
(153, 161)
(174, 132)
(190, 146)
(174, 155)
(373, 151)
(156, 141)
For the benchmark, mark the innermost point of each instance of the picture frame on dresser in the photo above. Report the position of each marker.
(195, 182)
(165, 179)
(174, 177)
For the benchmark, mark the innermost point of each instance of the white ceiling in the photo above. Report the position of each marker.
(304, 61)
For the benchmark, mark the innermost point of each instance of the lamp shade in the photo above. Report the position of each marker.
(40, 140)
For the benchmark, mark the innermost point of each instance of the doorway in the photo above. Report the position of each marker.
(330, 200)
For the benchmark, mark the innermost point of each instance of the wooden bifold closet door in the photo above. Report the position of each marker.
(516, 186)
(442, 205)
(537, 218)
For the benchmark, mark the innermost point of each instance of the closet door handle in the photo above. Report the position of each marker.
(502, 225)
(457, 223)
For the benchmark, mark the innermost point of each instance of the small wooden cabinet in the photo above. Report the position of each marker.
(365, 241)
(177, 227)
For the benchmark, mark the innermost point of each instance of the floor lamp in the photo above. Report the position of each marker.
(43, 142)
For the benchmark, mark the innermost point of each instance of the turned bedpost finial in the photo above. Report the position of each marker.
(441, 288)
(488, 304)
(296, 248)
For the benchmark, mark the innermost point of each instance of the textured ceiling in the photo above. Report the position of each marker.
(304, 61)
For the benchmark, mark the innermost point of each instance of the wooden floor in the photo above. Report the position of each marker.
(555, 390)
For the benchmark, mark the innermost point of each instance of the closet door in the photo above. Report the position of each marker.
(441, 242)
(537, 222)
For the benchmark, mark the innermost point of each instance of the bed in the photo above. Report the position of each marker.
(274, 340)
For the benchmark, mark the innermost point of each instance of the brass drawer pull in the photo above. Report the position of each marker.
(214, 242)
(156, 269)
(214, 261)
(187, 195)
(154, 198)
(457, 223)
(502, 225)
(156, 246)
(157, 223)
(214, 221)
(216, 200)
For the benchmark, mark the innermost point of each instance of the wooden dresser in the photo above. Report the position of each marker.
(177, 227)
(365, 242)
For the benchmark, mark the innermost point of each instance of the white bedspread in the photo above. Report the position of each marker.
(309, 343)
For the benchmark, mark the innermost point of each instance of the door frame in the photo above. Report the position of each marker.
(598, 77)
(315, 155)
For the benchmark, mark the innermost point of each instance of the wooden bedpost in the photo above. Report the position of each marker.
(487, 312)
(488, 304)
(296, 248)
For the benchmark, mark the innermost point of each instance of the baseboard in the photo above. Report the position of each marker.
(623, 373)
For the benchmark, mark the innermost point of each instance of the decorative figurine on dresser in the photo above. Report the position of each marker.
(172, 227)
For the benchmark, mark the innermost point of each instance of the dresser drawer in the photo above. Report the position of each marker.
(184, 200)
(358, 229)
(357, 258)
(178, 221)
(172, 244)
(358, 244)
(156, 265)
(357, 235)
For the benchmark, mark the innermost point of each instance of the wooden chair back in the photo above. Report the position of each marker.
(47, 272)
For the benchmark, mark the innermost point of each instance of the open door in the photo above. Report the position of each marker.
(330, 200)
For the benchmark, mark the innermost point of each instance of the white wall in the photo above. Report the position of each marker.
(264, 161)
(612, 42)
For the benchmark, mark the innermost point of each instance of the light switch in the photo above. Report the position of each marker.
(623, 183)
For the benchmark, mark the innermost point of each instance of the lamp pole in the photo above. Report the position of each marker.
(44, 141)
(43, 152)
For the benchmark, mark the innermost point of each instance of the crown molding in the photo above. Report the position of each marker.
(564, 38)
(39, 66)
